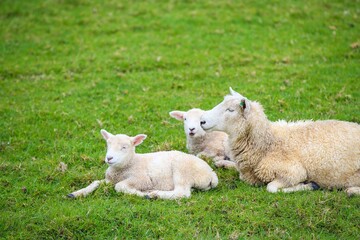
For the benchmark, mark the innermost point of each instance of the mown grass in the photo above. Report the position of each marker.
(70, 68)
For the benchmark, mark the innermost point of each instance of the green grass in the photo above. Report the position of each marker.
(71, 67)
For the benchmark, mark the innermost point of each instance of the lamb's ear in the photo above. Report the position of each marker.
(245, 105)
(179, 115)
(105, 134)
(138, 139)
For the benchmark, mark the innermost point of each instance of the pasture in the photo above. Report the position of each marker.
(69, 68)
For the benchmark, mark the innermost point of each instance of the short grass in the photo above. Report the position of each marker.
(71, 67)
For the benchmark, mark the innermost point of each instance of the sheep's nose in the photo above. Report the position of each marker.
(191, 129)
(109, 158)
(202, 122)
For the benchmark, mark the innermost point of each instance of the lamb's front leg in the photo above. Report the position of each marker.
(86, 191)
(220, 162)
(126, 187)
(182, 188)
(178, 192)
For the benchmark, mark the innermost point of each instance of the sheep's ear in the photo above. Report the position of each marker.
(245, 105)
(234, 93)
(138, 139)
(105, 134)
(179, 115)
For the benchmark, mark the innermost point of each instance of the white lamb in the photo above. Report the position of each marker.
(213, 145)
(168, 175)
(288, 156)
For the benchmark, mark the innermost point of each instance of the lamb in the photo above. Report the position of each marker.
(287, 157)
(213, 145)
(167, 175)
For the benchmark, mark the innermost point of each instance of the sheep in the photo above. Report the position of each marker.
(213, 145)
(286, 156)
(167, 175)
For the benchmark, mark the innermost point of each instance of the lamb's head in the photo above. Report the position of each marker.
(191, 120)
(120, 147)
(230, 114)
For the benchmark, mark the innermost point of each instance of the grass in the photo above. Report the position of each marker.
(72, 67)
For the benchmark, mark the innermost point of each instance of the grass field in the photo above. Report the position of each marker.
(71, 67)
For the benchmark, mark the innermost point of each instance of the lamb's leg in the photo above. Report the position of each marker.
(178, 192)
(86, 191)
(182, 188)
(225, 164)
(125, 187)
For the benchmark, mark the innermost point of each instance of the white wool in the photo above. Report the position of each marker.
(283, 123)
(213, 145)
(168, 175)
(283, 154)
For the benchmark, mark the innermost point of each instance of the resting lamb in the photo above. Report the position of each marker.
(168, 175)
(213, 145)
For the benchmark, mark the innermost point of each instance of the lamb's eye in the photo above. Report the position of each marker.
(184, 119)
(123, 147)
(230, 110)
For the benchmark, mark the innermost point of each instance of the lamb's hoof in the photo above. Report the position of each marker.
(314, 186)
(70, 195)
(151, 196)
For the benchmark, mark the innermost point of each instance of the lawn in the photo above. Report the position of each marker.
(69, 68)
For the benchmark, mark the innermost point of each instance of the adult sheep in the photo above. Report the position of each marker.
(287, 156)
(167, 175)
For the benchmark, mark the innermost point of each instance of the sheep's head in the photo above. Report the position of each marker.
(229, 115)
(120, 147)
(191, 120)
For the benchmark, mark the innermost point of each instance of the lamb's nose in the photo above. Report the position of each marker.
(191, 129)
(109, 158)
(202, 122)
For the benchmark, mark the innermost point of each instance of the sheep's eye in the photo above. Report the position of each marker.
(123, 147)
(184, 119)
(230, 110)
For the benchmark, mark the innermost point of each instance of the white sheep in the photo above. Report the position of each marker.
(213, 145)
(287, 156)
(168, 175)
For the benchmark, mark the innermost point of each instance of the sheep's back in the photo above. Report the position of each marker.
(329, 150)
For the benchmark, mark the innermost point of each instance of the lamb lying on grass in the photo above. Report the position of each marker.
(168, 175)
(213, 145)
(287, 155)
